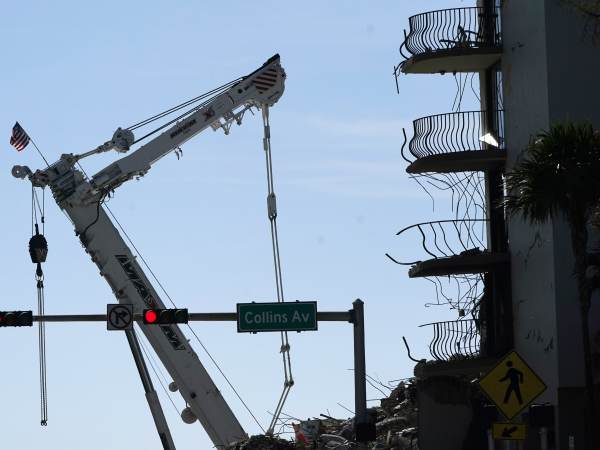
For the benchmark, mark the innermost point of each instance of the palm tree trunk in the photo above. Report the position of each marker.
(579, 236)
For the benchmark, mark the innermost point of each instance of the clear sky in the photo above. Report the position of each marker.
(74, 71)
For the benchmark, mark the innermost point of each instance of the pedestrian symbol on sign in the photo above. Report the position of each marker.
(515, 379)
(512, 385)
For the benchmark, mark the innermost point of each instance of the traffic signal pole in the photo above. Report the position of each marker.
(364, 430)
(363, 427)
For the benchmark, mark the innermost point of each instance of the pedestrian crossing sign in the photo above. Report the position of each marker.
(512, 385)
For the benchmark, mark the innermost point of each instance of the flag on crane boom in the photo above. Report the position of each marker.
(19, 138)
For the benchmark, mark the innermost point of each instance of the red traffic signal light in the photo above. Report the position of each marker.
(150, 316)
(165, 316)
(16, 318)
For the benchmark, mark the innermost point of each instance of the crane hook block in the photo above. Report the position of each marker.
(38, 247)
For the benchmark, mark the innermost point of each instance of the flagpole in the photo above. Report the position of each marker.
(38, 150)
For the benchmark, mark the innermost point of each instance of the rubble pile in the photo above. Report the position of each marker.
(395, 423)
(263, 443)
(397, 420)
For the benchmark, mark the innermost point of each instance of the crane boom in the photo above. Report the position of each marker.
(262, 87)
(81, 199)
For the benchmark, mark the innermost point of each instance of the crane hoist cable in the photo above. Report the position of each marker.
(272, 214)
(209, 94)
(38, 251)
(207, 97)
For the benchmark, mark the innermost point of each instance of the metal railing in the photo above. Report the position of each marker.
(445, 238)
(456, 132)
(454, 340)
(457, 28)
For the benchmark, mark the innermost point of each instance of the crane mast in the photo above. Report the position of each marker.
(81, 199)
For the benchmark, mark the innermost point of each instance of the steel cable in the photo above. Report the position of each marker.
(42, 351)
(175, 306)
(39, 278)
(272, 214)
(235, 391)
(183, 105)
(147, 353)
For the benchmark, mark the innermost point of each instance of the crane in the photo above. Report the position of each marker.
(81, 199)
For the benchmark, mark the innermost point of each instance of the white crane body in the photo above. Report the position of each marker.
(81, 199)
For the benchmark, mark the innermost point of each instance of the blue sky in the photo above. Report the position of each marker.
(74, 71)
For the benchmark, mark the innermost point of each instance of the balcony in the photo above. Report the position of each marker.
(466, 141)
(451, 40)
(454, 247)
(456, 350)
(454, 340)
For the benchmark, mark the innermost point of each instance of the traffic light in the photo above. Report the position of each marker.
(165, 316)
(16, 318)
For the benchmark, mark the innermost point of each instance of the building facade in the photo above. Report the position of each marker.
(536, 66)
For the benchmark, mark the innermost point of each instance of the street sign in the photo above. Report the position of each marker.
(512, 385)
(284, 316)
(507, 431)
(119, 317)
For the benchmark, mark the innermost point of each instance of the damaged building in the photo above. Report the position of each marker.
(511, 283)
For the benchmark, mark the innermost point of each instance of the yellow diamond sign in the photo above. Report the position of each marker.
(512, 385)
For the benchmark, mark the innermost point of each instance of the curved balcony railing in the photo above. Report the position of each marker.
(454, 247)
(457, 28)
(456, 339)
(447, 238)
(456, 132)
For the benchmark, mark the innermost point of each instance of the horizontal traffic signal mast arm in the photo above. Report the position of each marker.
(322, 316)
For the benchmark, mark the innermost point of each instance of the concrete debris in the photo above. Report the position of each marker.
(263, 443)
(395, 423)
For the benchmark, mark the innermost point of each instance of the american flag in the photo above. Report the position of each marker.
(19, 138)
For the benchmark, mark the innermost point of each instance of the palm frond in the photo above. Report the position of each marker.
(560, 172)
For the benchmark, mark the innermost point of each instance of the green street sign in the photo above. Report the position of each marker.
(284, 316)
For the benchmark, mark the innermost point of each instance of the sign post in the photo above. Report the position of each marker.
(365, 431)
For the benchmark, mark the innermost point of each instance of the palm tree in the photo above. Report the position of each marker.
(560, 176)
(590, 9)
